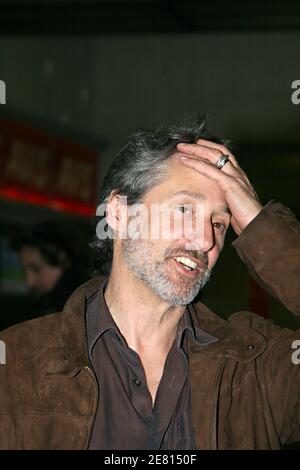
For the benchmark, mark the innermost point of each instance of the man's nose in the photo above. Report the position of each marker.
(202, 239)
(208, 237)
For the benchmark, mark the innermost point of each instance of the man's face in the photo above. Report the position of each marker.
(178, 265)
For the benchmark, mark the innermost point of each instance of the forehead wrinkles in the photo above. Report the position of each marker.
(185, 192)
(197, 197)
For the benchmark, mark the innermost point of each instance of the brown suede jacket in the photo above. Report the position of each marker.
(245, 387)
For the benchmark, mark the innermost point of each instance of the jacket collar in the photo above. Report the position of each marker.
(235, 339)
(70, 348)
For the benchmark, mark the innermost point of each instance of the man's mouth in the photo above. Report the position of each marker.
(188, 266)
(187, 263)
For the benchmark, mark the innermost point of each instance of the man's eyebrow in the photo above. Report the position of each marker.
(192, 194)
(199, 197)
(223, 209)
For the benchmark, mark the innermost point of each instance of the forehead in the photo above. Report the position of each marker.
(183, 182)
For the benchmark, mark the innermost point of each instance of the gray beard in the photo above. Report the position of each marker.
(138, 257)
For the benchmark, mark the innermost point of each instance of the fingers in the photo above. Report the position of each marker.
(200, 151)
(226, 180)
(240, 196)
(212, 155)
(209, 170)
(197, 152)
(203, 151)
(225, 151)
(219, 147)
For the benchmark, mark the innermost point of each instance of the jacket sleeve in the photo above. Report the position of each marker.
(10, 417)
(270, 247)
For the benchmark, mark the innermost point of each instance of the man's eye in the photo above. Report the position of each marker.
(219, 226)
(182, 209)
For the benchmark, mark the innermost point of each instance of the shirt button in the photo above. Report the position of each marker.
(137, 382)
(250, 347)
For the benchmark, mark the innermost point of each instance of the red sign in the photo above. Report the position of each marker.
(40, 169)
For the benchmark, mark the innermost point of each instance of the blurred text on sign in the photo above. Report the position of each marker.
(42, 169)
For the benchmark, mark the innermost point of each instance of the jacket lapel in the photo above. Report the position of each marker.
(235, 343)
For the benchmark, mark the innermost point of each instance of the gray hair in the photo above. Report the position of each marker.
(139, 166)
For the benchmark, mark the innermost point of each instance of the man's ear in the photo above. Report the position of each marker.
(116, 213)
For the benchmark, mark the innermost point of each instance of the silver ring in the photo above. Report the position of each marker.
(222, 161)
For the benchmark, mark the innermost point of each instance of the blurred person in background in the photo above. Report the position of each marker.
(55, 261)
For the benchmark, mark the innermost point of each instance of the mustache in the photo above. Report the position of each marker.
(199, 256)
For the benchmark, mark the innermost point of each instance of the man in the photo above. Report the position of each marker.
(134, 362)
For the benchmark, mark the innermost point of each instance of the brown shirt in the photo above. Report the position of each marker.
(125, 417)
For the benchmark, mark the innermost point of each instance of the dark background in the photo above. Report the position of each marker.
(95, 71)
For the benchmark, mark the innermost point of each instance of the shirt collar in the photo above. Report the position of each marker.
(197, 334)
(99, 320)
